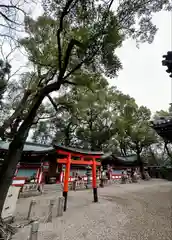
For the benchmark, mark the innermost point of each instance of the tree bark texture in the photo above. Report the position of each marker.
(15, 151)
(168, 152)
(141, 165)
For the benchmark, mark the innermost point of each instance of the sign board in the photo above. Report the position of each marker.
(10, 203)
(18, 182)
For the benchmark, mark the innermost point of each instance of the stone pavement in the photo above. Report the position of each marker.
(125, 212)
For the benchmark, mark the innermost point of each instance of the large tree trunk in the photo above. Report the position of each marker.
(168, 151)
(15, 151)
(67, 140)
(8, 170)
(141, 165)
(16, 146)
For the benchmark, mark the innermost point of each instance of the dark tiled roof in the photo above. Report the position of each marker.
(164, 128)
(130, 160)
(106, 155)
(77, 150)
(29, 147)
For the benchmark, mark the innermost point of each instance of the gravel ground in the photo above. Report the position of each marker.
(124, 212)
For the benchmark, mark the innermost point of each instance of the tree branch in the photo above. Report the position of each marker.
(56, 85)
(53, 103)
(68, 82)
(79, 65)
(9, 20)
(122, 16)
(71, 44)
(59, 31)
(43, 118)
(12, 6)
(88, 58)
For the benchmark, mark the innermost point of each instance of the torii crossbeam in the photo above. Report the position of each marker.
(85, 158)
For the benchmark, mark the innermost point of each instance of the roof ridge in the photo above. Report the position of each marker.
(37, 144)
(29, 143)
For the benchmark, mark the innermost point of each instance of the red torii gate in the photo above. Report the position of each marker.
(83, 156)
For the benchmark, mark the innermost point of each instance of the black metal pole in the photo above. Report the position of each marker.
(95, 194)
(65, 200)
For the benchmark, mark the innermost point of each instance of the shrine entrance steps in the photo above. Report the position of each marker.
(52, 188)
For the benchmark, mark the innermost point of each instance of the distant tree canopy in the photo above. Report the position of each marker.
(71, 49)
(96, 118)
(5, 69)
(88, 113)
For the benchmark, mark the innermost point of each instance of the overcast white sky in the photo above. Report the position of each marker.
(143, 76)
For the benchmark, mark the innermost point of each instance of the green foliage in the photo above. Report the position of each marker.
(161, 114)
(41, 135)
(5, 69)
(135, 18)
(141, 135)
(98, 117)
(90, 41)
(73, 40)
(40, 32)
(73, 44)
